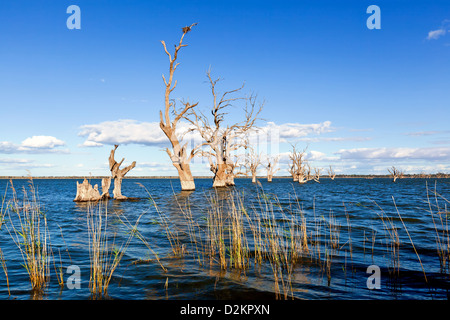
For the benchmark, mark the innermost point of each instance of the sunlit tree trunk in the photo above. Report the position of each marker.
(118, 174)
(178, 155)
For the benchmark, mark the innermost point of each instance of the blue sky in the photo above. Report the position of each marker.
(361, 100)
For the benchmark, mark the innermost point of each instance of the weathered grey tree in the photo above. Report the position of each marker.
(222, 141)
(331, 173)
(272, 167)
(316, 176)
(179, 155)
(234, 169)
(254, 160)
(118, 174)
(395, 173)
(299, 168)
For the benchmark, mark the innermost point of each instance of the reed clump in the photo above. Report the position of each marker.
(438, 210)
(105, 255)
(2, 259)
(28, 229)
(237, 233)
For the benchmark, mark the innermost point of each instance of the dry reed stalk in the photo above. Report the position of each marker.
(104, 256)
(172, 234)
(2, 220)
(59, 272)
(392, 242)
(31, 236)
(134, 232)
(239, 245)
(5, 270)
(442, 236)
(374, 236)
(410, 239)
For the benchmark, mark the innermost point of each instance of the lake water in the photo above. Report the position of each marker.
(363, 216)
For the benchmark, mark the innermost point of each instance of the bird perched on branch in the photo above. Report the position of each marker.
(187, 29)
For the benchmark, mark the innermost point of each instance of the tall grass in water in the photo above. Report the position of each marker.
(237, 235)
(104, 255)
(29, 231)
(439, 215)
(2, 259)
(392, 242)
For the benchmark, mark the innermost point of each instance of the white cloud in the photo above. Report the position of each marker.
(8, 147)
(122, 132)
(436, 34)
(34, 144)
(288, 131)
(318, 156)
(46, 142)
(395, 153)
(335, 139)
(90, 144)
(14, 161)
(128, 131)
(11, 163)
(427, 133)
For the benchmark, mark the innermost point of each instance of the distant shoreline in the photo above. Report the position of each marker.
(412, 176)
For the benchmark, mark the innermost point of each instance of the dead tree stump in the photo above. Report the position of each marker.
(118, 174)
(85, 192)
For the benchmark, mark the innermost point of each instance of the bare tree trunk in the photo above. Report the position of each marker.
(118, 174)
(178, 155)
(106, 183)
(230, 180)
(271, 169)
(186, 178)
(220, 176)
(331, 173)
(302, 179)
(230, 174)
(254, 177)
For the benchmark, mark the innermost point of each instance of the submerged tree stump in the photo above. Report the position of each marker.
(85, 192)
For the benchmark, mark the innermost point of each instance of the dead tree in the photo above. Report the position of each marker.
(308, 173)
(221, 141)
(235, 168)
(271, 167)
(179, 155)
(331, 173)
(299, 169)
(293, 172)
(316, 175)
(253, 161)
(118, 174)
(395, 173)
